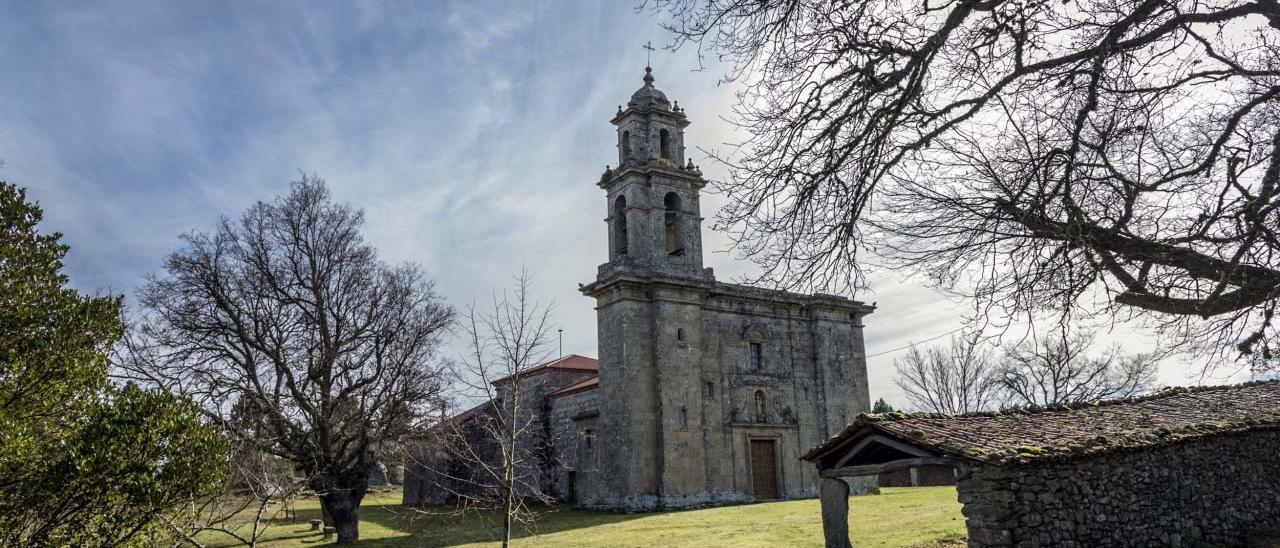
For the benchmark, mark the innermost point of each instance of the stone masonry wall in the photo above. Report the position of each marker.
(682, 400)
(1209, 492)
(535, 444)
(574, 431)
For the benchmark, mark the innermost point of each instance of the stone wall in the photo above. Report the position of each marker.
(438, 476)
(434, 476)
(534, 445)
(679, 405)
(575, 426)
(1208, 492)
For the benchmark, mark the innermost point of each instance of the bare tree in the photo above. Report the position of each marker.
(494, 454)
(1058, 369)
(289, 310)
(960, 378)
(1036, 155)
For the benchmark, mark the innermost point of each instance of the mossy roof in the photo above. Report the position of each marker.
(1174, 415)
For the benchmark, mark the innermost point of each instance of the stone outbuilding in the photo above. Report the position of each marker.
(1183, 467)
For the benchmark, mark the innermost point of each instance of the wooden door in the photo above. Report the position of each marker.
(764, 469)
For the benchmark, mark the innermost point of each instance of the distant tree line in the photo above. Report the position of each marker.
(970, 374)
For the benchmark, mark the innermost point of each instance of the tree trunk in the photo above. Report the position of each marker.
(508, 505)
(340, 503)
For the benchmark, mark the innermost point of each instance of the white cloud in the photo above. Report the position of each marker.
(472, 133)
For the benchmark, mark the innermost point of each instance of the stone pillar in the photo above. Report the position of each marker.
(834, 496)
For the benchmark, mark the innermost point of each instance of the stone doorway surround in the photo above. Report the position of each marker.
(764, 468)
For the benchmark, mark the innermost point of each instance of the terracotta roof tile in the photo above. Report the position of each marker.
(1022, 436)
(572, 362)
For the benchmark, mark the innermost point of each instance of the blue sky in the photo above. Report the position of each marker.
(472, 133)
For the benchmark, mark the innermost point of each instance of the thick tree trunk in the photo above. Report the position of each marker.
(340, 504)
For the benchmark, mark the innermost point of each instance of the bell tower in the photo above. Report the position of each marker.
(653, 194)
(707, 390)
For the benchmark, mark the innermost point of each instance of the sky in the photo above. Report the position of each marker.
(471, 133)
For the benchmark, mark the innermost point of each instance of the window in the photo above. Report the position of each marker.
(684, 418)
(675, 242)
(709, 389)
(679, 334)
(664, 144)
(762, 408)
(620, 225)
(624, 146)
(757, 357)
(587, 449)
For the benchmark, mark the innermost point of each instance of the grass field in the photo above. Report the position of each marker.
(907, 517)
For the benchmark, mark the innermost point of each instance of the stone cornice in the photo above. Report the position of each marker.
(648, 171)
(709, 290)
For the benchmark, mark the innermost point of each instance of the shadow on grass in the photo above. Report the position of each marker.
(386, 523)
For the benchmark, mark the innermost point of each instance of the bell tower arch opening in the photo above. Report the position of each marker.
(671, 224)
(620, 226)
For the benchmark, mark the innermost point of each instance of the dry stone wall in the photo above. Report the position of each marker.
(1207, 492)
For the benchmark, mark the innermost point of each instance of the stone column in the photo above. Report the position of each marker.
(834, 496)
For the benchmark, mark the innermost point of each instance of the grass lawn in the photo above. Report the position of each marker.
(908, 517)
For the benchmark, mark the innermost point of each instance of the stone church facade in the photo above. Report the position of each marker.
(706, 392)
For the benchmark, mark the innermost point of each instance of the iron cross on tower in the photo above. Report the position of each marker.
(648, 56)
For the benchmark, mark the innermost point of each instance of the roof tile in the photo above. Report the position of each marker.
(1022, 436)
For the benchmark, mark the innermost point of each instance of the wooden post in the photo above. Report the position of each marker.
(329, 531)
(315, 524)
(834, 496)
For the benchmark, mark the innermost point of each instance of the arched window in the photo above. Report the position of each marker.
(762, 409)
(624, 146)
(664, 144)
(620, 225)
(675, 241)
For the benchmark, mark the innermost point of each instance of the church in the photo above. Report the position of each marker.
(704, 392)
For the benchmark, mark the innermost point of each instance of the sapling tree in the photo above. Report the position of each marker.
(492, 455)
